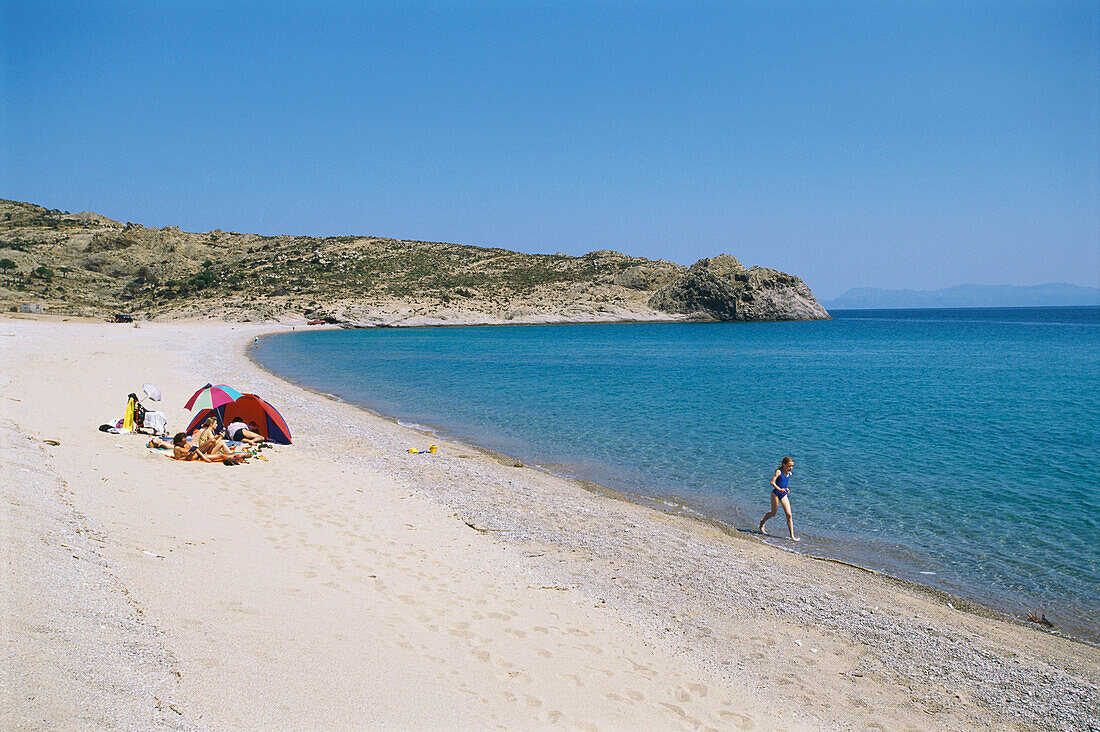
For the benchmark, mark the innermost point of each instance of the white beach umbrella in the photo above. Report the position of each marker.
(151, 392)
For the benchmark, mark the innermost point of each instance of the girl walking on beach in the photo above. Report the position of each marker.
(779, 496)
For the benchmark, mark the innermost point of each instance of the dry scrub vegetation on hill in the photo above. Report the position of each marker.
(89, 264)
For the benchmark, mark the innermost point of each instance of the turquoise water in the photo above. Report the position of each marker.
(948, 447)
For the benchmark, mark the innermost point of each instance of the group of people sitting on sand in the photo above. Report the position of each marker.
(209, 443)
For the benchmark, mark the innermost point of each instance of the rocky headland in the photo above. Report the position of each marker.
(88, 264)
(722, 288)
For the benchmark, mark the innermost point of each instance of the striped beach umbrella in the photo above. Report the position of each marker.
(212, 397)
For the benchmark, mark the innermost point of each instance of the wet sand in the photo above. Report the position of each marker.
(345, 583)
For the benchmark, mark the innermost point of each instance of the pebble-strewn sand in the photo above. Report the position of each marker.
(345, 583)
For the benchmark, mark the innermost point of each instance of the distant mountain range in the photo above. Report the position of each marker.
(969, 296)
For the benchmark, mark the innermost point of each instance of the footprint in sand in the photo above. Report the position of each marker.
(643, 670)
(605, 671)
(741, 721)
(698, 689)
(678, 711)
(475, 695)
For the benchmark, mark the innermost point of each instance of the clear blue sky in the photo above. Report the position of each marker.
(888, 144)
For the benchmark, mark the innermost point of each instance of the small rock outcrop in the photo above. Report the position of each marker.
(720, 288)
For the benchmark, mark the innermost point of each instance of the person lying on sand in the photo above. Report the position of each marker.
(238, 431)
(779, 497)
(182, 451)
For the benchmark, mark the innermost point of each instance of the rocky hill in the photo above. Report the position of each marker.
(88, 264)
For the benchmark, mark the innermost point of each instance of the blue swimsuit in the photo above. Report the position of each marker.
(782, 482)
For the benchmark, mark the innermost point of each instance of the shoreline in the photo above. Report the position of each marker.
(673, 504)
(517, 597)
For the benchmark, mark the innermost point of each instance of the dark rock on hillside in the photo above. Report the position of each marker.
(722, 289)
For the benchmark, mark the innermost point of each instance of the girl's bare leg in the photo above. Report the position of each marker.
(775, 510)
(223, 450)
(217, 447)
(790, 518)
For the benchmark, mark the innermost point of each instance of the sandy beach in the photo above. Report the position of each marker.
(345, 583)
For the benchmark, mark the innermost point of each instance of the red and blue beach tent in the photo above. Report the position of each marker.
(248, 408)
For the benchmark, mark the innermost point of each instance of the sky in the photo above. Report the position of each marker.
(855, 144)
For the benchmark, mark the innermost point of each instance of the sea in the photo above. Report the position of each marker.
(952, 448)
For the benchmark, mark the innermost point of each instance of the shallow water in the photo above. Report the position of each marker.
(949, 447)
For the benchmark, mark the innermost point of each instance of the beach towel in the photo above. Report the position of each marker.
(128, 418)
(227, 461)
(157, 422)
